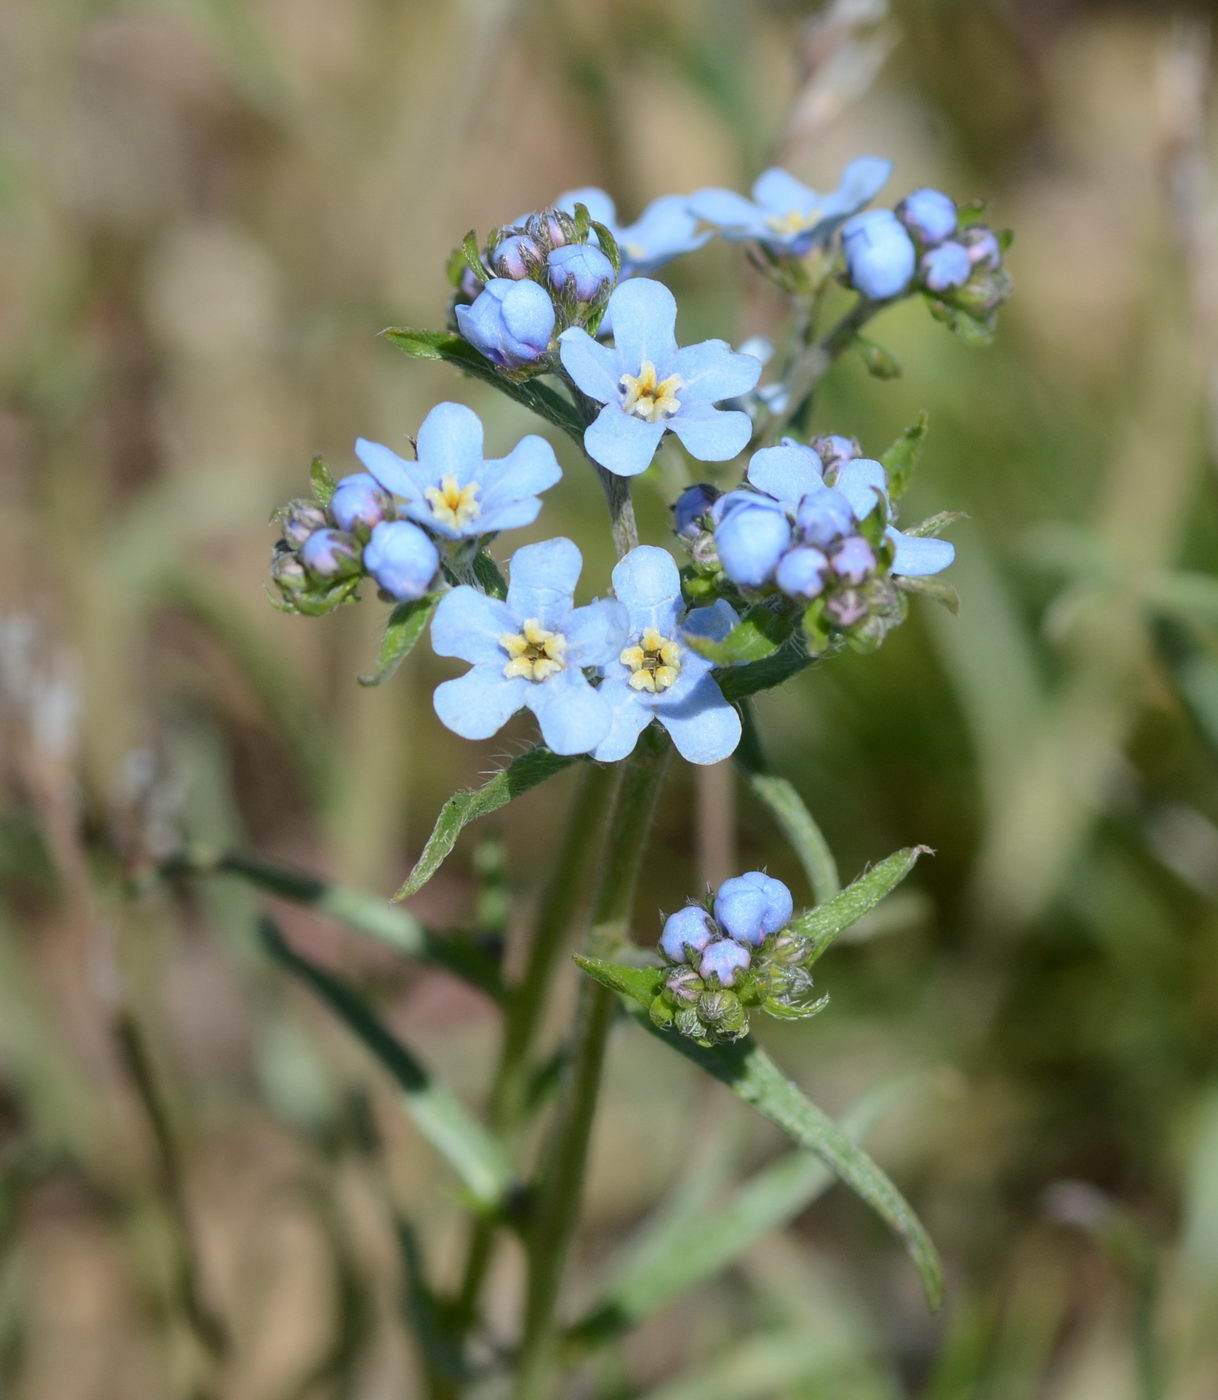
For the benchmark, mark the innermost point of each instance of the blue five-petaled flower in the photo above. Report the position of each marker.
(656, 675)
(664, 230)
(648, 385)
(451, 489)
(529, 652)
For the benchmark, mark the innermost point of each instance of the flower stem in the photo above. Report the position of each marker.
(557, 1199)
(811, 367)
(621, 510)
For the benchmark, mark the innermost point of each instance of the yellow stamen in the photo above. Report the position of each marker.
(534, 653)
(648, 398)
(654, 661)
(452, 504)
(792, 222)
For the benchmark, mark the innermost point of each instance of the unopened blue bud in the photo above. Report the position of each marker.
(724, 959)
(853, 560)
(330, 554)
(510, 323)
(402, 559)
(801, 572)
(984, 249)
(847, 607)
(835, 451)
(690, 508)
(752, 906)
(581, 271)
(684, 985)
(358, 501)
(516, 256)
(287, 572)
(880, 255)
(946, 266)
(823, 515)
(929, 215)
(300, 519)
(691, 927)
(551, 228)
(751, 536)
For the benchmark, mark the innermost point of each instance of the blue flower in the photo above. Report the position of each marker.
(930, 215)
(785, 214)
(580, 270)
(663, 231)
(880, 255)
(359, 501)
(656, 675)
(648, 385)
(689, 928)
(402, 559)
(509, 322)
(529, 652)
(724, 959)
(753, 906)
(946, 266)
(451, 489)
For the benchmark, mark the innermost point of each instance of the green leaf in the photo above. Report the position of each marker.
(758, 634)
(933, 588)
(407, 623)
(934, 525)
(366, 913)
(440, 1116)
(820, 926)
(641, 984)
(473, 257)
(324, 484)
(443, 345)
(739, 682)
(881, 363)
(524, 772)
(486, 571)
(902, 457)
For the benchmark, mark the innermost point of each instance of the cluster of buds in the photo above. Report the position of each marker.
(731, 954)
(960, 260)
(533, 281)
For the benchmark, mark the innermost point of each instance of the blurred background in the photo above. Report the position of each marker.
(208, 209)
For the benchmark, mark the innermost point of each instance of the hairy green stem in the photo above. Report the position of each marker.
(557, 1200)
(621, 510)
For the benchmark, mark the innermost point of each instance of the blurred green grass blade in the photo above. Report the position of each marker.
(524, 772)
(439, 1115)
(365, 913)
(785, 1362)
(823, 924)
(407, 623)
(676, 1254)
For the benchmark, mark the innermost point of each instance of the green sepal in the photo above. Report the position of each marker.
(820, 926)
(758, 634)
(608, 246)
(816, 627)
(317, 602)
(324, 484)
(874, 524)
(407, 623)
(934, 525)
(901, 458)
(971, 213)
(933, 588)
(641, 984)
(533, 766)
(486, 571)
(473, 257)
(784, 1012)
(973, 330)
(881, 363)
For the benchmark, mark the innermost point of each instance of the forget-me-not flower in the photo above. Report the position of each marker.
(648, 385)
(880, 255)
(663, 231)
(509, 321)
(784, 213)
(752, 906)
(451, 489)
(656, 675)
(529, 652)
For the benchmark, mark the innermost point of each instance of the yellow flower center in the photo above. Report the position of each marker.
(794, 221)
(534, 652)
(452, 504)
(634, 251)
(648, 398)
(654, 661)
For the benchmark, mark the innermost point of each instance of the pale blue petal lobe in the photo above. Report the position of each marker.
(780, 191)
(393, 472)
(704, 727)
(479, 703)
(468, 624)
(596, 633)
(628, 719)
(573, 717)
(858, 481)
(786, 473)
(644, 322)
(712, 370)
(917, 557)
(734, 215)
(622, 443)
(450, 441)
(594, 367)
(711, 434)
(542, 578)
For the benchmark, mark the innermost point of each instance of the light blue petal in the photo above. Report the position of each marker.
(917, 557)
(712, 370)
(469, 624)
(594, 367)
(715, 621)
(704, 727)
(734, 216)
(596, 633)
(862, 180)
(394, 473)
(621, 442)
(450, 442)
(787, 473)
(647, 579)
(479, 703)
(628, 719)
(542, 579)
(529, 468)
(712, 434)
(599, 205)
(512, 515)
(573, 717)
(420, 512)
(644, 323)
(779, 191)
(858, 481)
(750, 540)
(665, 229)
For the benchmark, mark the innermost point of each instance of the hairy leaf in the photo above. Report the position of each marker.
(486, 571)
(739, 682)
(902, 457)
(407, 623)
(934, 525)
(641, 984)
(324, 484)
(758, 634)
(823, 924)
(933, 588)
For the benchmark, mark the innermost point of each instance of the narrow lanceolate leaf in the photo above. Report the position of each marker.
(750, 1073)
(934, 525)
(739, 682)
(323, 483)
(473, 1153)
(641, 984)
(902, 457)
(407, 623)
(758, 634)
(443, 345)
(933, 588)
(366, 913)
(525, 772)
(820, 926)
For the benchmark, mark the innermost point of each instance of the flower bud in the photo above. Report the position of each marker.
(853, 560)
(580, 272)
(689, 928)
(330, 554)
(689, 1024)
(801, 572)
(516, 256)
(880, 255)
(946, 266)
(929, 215)
(402, 559)
(510, 323)
(835, 451)
(287, 572)
(691, 508)
(751, 535)
(684, 985)
(723, 1015)
(724, 960)
(299, 519)
(823, 516)
(359, 502)
(846, 608)
(752, 906)
(984, 249)
(551, 228)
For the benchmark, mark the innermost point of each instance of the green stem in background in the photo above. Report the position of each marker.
(557, 1200)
